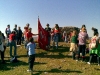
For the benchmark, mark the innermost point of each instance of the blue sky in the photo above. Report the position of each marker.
(63, 12)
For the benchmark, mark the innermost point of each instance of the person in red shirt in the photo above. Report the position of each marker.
(29, 35)
(56, 36)
(12, 43)
(26, 27)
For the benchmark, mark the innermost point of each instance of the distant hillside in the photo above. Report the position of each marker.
(68, 29)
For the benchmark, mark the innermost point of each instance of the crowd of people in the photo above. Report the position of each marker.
(15, 38)
(77, 42)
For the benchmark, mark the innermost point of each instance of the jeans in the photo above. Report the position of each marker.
(31, 61)
(55, 40)
(12, 44)
(25, 43)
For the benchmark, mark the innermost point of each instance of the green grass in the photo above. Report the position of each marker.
(51, 62)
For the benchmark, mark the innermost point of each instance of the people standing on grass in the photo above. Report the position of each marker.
(56, 36)
(12, 43)
(82, 37)
(19, 36)
(22, 39)
(8, 32)
(94, 46)
(29, 34)
(65, 36)
(48, 29)
(26, 28)
(15, 28)
(74, 44)
(31, 53)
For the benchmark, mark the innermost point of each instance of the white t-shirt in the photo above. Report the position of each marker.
(1, 43)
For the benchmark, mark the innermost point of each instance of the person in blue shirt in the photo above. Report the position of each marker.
(31, 52)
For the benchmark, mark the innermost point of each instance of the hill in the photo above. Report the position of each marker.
(68, 29)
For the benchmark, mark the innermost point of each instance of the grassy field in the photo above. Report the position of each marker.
(51, 62)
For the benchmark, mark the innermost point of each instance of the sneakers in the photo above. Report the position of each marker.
(77, 60)
(18, 45)
(70, 54)
(29, 70)
(88, 63)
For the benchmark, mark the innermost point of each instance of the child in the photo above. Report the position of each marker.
(94, 47)
(31, 52)
(74, 42)
(82, 37)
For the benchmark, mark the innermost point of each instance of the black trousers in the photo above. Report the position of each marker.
(2, 53)
(92, 58)
(31, 61)
(18, 40)
(81, 50)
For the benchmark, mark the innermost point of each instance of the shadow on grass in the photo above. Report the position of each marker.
(22, 56)
(59, 53)
(60, 49)
(10, 66)
(45, 55)
(87, 59)
(57, 71)
(38, 63)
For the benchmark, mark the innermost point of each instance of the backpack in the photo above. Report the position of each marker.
(93, 43)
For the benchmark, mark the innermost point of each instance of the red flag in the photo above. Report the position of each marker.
(42, 37)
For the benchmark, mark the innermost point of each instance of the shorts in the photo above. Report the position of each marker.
(73, 47)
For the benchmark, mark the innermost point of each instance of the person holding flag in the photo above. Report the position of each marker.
(29, 35)
(48, 29)
(42, 37)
